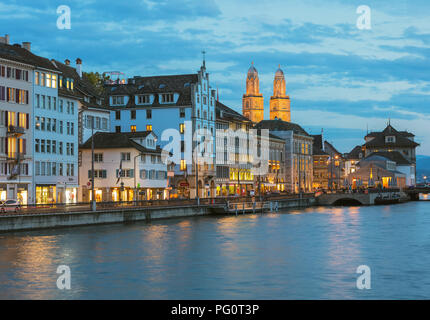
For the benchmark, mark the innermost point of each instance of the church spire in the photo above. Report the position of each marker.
(252, 102)
(280, 102)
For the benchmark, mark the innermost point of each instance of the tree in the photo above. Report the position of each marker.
(97, 80)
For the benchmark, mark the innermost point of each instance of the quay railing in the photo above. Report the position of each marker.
(113, 205)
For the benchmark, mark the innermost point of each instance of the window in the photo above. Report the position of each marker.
(133, 128)
(125, 156)
(117, 129)
(183, 165)
(182, 127)
(117, 115)
(54, 81)
(182, 113)
(143, 99)
(48, 80)
(149, 127)
(149, 114)
(167, 98)
(133, 114)
(390, 139)
(117, 100)
(98, 157)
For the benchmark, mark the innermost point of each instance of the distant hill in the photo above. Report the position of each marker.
(423, 167)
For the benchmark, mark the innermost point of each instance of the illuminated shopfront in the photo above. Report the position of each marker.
(46, 194)
(71, 195)
(22, 194)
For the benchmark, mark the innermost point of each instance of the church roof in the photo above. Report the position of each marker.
(281, 125)
(279, 73)
(252, 72)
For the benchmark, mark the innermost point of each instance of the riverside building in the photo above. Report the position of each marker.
(127, 167)
(183, 103)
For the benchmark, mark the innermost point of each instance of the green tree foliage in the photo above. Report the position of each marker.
(97, 80)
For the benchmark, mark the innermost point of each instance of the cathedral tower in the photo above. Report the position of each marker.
(252, 102)
(280, 102)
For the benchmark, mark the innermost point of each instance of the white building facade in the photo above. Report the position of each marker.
(127, 167)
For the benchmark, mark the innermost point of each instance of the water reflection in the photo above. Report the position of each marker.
(305, 254)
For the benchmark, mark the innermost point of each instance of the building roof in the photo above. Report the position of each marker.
(17, 53)
(180, 84)
(82, 85)
(395, 156)
(402, 138)
(281, 125)
(328, 145)
(118, 140)
(225, 113)
(317, 148)
(354, 154)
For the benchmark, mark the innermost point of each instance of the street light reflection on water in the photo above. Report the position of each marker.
(310, 253)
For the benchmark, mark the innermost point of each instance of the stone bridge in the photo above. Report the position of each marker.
(333, 199)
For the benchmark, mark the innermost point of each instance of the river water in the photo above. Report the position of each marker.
(298, 254)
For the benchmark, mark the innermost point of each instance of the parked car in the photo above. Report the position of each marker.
(10, 205)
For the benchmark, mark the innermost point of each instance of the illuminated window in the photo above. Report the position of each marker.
(182, 128)
(48, 80)
(11, 147)
(67, 83)
(133, 128)
(183, 165)
(36, 78)
(23, 120)
(71, 85)
(54, 81)
(42, 79)
(11, 118)
(148, 127)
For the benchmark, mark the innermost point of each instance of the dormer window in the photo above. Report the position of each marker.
(143, 99)
(67, 83)
(117, 100)
(390, 139)
(60, 82)
(167, 98)
(71, 84)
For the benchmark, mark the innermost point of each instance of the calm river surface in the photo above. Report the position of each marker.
(300, 254)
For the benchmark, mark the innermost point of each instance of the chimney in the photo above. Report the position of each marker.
(79, 67)
(67, 62)
(27, 46)
(7, 39)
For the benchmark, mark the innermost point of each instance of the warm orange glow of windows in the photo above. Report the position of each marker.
(148, 127)
(133, 128)
(183, 165)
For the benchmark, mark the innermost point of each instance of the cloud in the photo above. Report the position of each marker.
(338, 77)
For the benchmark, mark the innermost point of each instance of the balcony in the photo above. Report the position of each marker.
(15, 131)
(15, 156)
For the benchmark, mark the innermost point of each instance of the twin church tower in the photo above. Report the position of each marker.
(253, 104)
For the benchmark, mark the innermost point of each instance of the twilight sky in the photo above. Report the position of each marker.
(339, 77)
